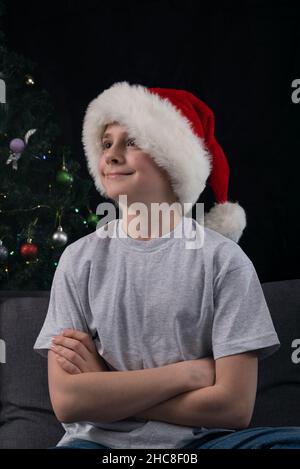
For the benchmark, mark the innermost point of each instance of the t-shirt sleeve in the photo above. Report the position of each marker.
(242, 320)
(65, 309)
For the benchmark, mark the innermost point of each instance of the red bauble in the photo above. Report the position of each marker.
(29, 250)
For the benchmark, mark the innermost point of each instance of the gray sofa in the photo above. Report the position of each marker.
(26, 416)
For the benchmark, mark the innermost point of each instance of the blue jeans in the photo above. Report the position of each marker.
(252, 438)
(249, 438)
(81, 444)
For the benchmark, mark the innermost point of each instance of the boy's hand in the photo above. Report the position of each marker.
(76, 352)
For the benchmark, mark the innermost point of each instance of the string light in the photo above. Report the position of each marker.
(29, 80)
(24, 209)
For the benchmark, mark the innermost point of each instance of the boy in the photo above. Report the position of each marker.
(160, 342)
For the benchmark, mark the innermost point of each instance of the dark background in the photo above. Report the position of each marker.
(238, 57)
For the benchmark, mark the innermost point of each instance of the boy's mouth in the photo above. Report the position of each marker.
(116, 175)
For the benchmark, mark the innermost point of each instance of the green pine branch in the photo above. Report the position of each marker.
(32, 202)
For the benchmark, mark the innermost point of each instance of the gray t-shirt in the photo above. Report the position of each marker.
(152, 303)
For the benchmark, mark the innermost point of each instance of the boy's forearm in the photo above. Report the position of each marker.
(115, 395)
(205, 407)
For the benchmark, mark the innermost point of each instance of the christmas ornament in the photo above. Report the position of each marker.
(3, 253)
(60, 238)
(64, 177)
(93, 219)
(29, 250)
(17, 146)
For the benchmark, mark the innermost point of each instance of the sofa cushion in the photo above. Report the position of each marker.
(278, 402)
(26, 416)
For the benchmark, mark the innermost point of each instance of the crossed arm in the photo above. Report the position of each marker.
(82, 388)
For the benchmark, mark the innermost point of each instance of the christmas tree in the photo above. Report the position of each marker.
(44, 203)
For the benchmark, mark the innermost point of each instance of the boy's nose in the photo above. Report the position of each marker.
(114, 156)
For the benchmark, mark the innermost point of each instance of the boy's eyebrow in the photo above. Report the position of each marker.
(107, 134)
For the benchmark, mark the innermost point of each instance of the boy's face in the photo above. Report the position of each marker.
(142, 179)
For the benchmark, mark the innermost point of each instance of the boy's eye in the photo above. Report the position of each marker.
(108, 143)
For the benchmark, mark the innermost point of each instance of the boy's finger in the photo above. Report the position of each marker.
(69, 355)
(83, 337)
(66, 365)
(72, 344)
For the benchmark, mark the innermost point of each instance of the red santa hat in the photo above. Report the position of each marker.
(177, 129)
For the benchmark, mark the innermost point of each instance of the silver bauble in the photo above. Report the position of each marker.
(60, 238)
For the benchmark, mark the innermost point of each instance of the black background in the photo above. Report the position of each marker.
(238, 57)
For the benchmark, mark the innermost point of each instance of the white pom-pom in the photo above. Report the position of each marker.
(228, 218)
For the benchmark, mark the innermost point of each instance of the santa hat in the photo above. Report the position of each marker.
(177, 129)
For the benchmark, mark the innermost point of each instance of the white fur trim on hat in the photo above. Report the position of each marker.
(228, 218)
(158, 128)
